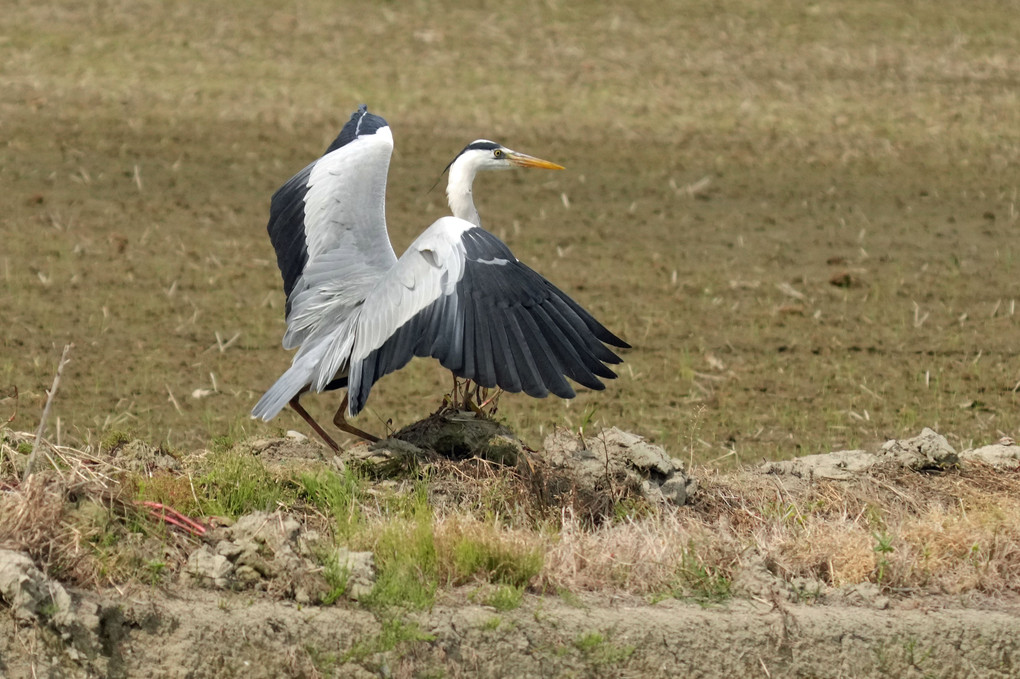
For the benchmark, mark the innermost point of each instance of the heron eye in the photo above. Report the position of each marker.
(498, 153)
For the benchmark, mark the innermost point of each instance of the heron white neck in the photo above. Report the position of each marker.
(458, 192)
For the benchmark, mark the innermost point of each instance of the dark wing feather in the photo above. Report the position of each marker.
(287, 229)
(361, 122)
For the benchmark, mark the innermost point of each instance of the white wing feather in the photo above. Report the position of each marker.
(430, 268)
(345, 226)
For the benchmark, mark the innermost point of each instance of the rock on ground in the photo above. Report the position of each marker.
(360, 570)
(72, 627)
(616, 458)
(998, 455)
(30, 594)
(273, 553)
(929, 451)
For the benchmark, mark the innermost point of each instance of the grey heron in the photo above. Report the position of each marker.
(355, 312)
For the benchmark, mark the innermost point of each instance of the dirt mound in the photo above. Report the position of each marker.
(616, 459)
(928, 451)
(589, 473)
(898, 561)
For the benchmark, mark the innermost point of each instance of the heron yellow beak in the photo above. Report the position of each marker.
(524, 160)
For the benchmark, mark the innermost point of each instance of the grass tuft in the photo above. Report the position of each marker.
(339, 496)
(405, 555)
(505, 597)
(497, 562)
(394, 632)
(238, 483)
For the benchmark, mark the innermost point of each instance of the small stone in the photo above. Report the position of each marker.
(927, 451)
(678, 490)
(996, 455)
(246, 576)
(229, 549)
(209, 568)
(360, 569)
(29, 593)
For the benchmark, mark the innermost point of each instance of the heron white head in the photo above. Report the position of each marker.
(479, 155)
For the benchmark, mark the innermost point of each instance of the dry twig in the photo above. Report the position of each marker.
(46, 410)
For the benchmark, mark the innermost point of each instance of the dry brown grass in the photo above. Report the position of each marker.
(951, 533)
(908, 532)
(76, 518)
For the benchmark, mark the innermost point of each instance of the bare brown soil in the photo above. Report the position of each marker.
(196, 634)
(803, 216)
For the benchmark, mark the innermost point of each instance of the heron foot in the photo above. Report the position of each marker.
(340, 420)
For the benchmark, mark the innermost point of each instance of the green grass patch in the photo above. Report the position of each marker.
(324, 661)
(170, 489)
(113, 439)
(405, 555)
(597, 649)
(120, 543)
(410, 504)
(497, 562)
(337, 575)
(394, 632)
(505, 597)
(335, 494)
(698, 581)
(239, 483)
(222, 443)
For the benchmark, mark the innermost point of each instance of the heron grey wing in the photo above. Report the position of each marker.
(459, 295)
(336, 202)
(345, 204)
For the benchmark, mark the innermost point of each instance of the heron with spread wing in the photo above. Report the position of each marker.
(355, 312)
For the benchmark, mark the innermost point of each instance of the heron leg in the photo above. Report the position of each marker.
(300, 410)
(493, 400)
(340, 420)
(470, 404)
(454, 393)
(460, 397)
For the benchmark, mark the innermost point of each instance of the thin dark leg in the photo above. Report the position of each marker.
(453, 394)
(300, 410)
(461, 396)
(340, 420)
(469, 404)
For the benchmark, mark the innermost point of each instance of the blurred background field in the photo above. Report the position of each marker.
(804, 216)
